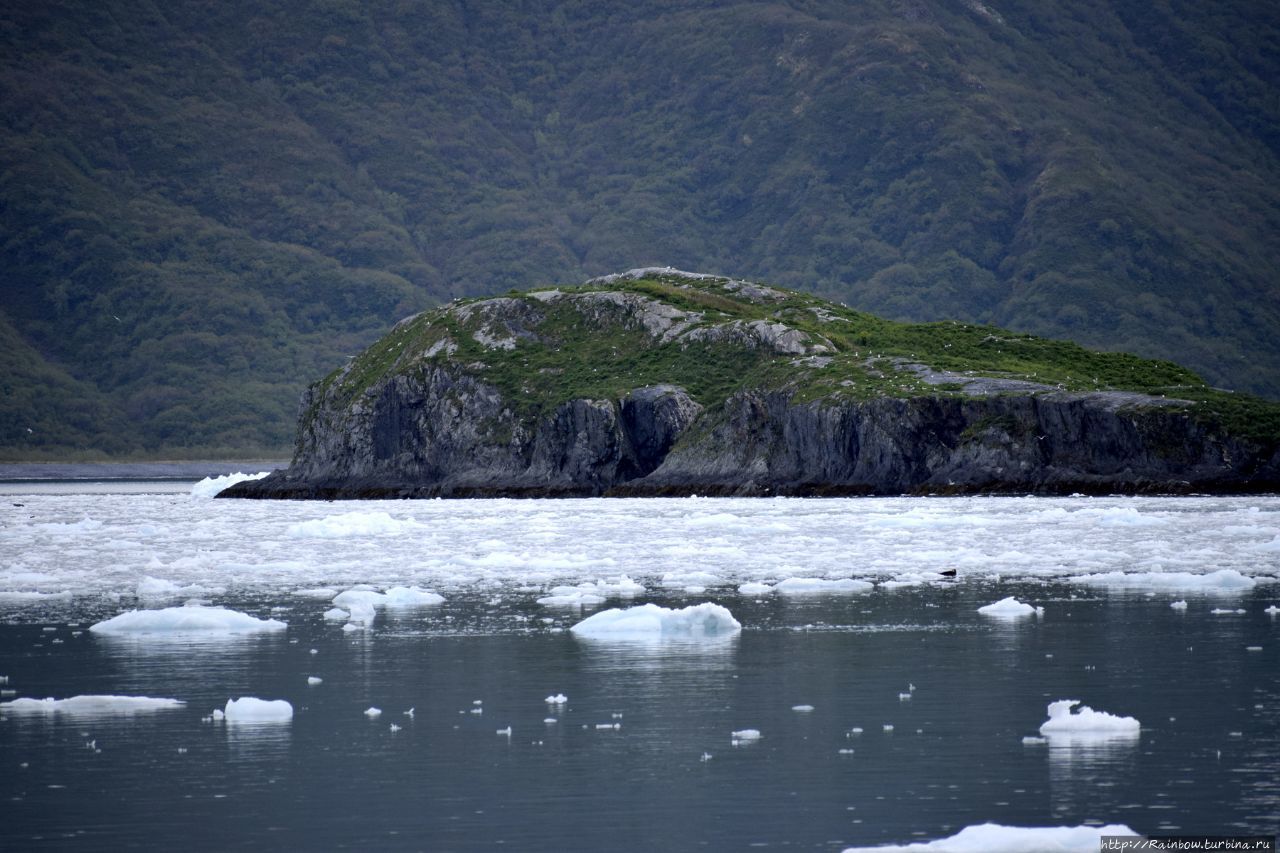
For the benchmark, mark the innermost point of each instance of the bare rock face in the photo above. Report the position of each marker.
(552, 393)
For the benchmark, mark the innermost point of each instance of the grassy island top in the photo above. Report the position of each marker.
(714, 335)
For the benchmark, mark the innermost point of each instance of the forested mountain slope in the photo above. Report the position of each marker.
(204, 205)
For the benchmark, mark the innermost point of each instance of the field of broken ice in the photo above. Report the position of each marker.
(636, 674)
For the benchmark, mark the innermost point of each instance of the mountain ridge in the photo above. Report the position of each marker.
(204, 204)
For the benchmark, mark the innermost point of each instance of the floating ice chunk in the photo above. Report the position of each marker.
(320, 592)
(754, 588)
(675, 580)
(821, 586)
(210, 486)
(888, 727)
(557, 699)
(994, 838)
(336, 614)
(313, 680)
(351, 525)
(91, 705)
(182, 620)
(803, 709)
(18, 596)
(354, 596)
(1221, 610)
(550, 721)
(1222, 581)
(903, 697)
(217, 714)
(411, 596)
(1272, 610)
(572, 596)
(650, 620)
(394, 727)
(373, 712)
(1009, 608)
(589, 593)
(745, 736)
(505, 732)
(353, 626)
(1253, 648)
(1085, 721)
(84, 525)
(360, 613)
(250, 709)
(1178, 605)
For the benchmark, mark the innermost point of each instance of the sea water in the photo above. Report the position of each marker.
(888, 709)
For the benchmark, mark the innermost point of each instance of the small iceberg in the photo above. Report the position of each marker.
(184, 620)
(821, 586)
(250, 709)
(1221, 581)
(411, 596)
(92, 705)
(1085, 722)
(995, 838)
(210, 486)
(745, 736)
(1009, 608)
(651, 621)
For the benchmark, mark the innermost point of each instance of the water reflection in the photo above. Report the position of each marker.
(705, 654)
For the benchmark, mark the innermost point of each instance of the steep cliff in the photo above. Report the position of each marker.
(660, 382)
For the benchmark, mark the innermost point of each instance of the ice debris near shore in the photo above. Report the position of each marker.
(349, 525)
(996, 838)
(650, 621)
(250, 709)
(91, 705)
(1085, 721)
(183, 620)
(210, 486)
(1009, 608)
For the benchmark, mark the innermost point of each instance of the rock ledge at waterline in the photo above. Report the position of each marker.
(660, 382)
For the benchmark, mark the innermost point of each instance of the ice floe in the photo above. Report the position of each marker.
(1085, 721)
(250, 709)
(744, 736)
(18, 596)
(91, 705)
(351, 524)
(210, 486)
(160, 588)
(1223, 580)
(182, 620)
(411, 596)
(995, 838)
(1178, 605)
(1009, 608)
(650, 620)
(592, 592)
(821, 586)
(754, 588)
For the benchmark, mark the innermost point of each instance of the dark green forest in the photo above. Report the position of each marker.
(206, 205)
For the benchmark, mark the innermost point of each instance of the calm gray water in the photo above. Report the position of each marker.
(334, 778)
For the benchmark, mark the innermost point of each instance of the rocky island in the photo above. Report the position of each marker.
(662, 382)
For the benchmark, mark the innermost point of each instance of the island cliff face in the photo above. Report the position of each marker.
(658, 382)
